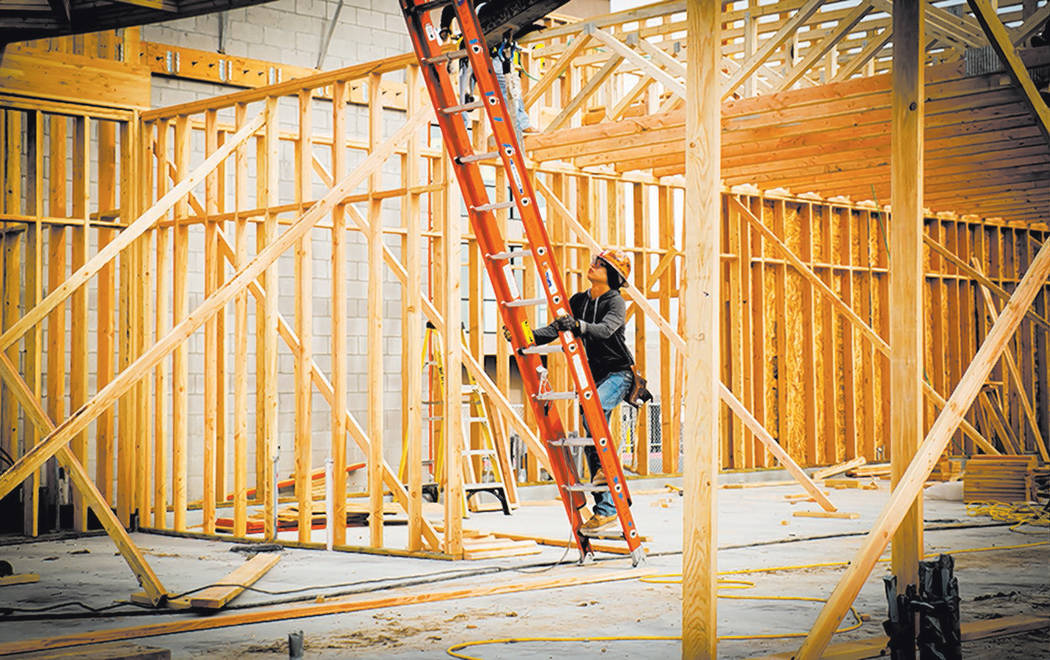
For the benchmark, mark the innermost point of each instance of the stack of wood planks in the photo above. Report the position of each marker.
(479, 545)
(1004, 479)
(288, 518)
(872, 470)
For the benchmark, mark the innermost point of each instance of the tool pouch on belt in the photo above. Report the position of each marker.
(638, 394)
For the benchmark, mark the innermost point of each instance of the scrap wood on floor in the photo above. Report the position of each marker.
(217, 595)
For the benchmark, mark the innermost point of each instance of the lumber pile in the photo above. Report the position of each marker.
(880, 470)
(288, 518)
(1006, 479)
(479, 545)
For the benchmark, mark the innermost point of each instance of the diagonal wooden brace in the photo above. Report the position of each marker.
(36, 414)
(911, 482)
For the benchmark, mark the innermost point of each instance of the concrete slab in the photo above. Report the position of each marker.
(756, 530)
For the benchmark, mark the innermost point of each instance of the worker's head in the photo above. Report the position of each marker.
(610, 267)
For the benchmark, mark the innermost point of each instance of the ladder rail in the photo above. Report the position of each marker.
(468, 173)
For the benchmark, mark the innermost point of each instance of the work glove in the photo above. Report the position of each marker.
(567, 324)
(506, 333)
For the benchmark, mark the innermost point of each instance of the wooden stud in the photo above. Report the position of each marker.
(453, 358)
(78, 347)
(337, 450)
(303, 441)
(375, 329)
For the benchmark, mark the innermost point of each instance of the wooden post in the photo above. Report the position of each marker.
(700, 302)
(906, 273)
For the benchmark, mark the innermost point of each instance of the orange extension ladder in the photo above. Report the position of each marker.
(497, 259)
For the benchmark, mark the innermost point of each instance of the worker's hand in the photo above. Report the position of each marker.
(567, 324)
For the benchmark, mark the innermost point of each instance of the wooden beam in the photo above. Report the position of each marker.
(701, 302)
(906, 278)
(223, 591)
(926, 458)
(815, 52)
(789, 28)
(586, 92)
(556, 71)
(999, 38)
(669, 82)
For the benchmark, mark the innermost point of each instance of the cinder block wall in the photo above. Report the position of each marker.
(291, 32)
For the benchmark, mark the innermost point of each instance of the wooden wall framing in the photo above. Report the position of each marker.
(803, 296)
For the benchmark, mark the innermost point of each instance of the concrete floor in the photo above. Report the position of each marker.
(756, 530)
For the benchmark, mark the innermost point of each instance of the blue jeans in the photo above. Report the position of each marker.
(611, 391)
(515, 105)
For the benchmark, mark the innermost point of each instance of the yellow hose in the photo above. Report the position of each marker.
(676, 578)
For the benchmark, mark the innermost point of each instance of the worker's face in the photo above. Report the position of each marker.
(597, 273)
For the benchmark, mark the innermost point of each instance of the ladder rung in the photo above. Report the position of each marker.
(495, 206)
(545, 349)
(608, 534)
(466, 107)
(571, 442)
(436, 418)
(446, 57)
(477, 420)
(525, 302)
(509, 254)
(479, 452)
(488, 155)
(470, 389)
(483, 486)
(586, 488)
(433, 403)
(555, 396)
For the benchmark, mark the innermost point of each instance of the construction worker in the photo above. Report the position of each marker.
(598, 319)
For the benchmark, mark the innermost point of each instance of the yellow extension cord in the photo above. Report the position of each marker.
(1020, 514)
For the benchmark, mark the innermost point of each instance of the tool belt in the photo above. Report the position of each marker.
(638, 394)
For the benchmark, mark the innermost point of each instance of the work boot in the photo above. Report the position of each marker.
(599, 478)
(597, 522)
